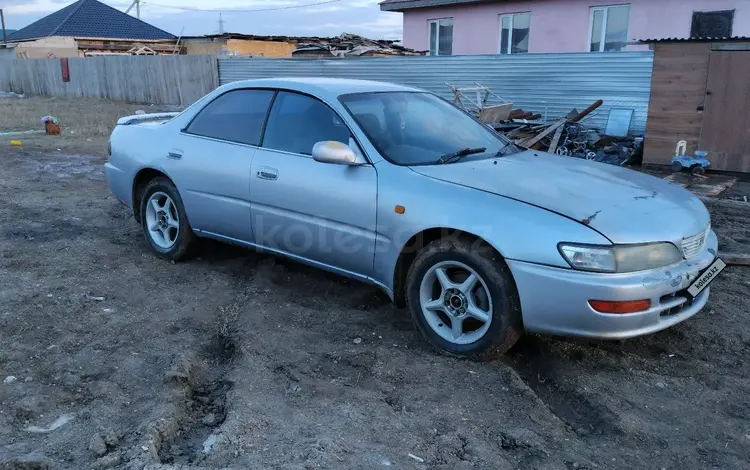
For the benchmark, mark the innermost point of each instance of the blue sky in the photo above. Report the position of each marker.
(351, 16)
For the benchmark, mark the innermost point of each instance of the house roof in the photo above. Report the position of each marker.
(90, 19)
(697, 39)
(401, 5)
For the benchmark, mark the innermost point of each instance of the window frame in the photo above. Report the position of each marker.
(436, 22)
(352, 135)
(383, 155)
(184, 130)
(605, 15)
(510, 31)
(275, 91)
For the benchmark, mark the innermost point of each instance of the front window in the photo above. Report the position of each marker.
(297, 122)
(609, 28)
(514, 33)
(441, 36)
(413, 128)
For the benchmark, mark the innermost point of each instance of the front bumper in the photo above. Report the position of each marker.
(555, 300)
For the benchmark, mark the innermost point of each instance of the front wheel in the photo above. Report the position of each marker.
(463, 300)
(164, 222)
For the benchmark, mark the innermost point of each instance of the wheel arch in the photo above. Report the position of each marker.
(418, 241)
(141, 180)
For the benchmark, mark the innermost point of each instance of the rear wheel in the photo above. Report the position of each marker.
(164, 222)
(463, 299)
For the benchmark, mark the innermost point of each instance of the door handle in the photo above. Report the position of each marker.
(268, 173)
(175, 154)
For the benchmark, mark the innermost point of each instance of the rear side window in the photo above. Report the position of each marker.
(297, 122)
(236, 116)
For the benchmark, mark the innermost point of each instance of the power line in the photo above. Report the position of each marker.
(243, 10)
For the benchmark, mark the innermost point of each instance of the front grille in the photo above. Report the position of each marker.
(691, 246)
(687, 302)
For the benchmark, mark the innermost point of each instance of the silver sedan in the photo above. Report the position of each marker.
(481, 239)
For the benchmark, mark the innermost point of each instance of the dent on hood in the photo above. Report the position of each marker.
(588, 219)
(651, 196)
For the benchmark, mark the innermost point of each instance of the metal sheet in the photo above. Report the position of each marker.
(549, 84)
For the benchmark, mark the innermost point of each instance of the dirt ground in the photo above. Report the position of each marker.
(113, 358)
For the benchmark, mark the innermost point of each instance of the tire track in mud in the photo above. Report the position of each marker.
(199, 406)
(539, 368)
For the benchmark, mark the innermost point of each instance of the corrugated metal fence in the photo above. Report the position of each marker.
(543, 83)
(177, 80)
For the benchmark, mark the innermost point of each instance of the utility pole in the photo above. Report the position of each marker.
(137, 5)
(2, 20)
(221, 24)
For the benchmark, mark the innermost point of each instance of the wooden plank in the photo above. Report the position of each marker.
(726, 128)
(556, 139)
(678, 90)
(168, 79)
(735, 259)
(548, 131)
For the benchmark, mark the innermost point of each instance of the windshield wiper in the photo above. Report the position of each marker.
(456, 156)
(508, 149)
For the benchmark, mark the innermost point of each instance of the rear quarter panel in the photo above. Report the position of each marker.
(135, 147)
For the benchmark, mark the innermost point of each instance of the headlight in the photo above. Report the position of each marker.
(620, 259)
(589, 258)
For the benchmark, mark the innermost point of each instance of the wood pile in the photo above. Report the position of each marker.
(542, 136)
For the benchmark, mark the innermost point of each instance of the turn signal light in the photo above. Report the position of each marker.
(627, 306)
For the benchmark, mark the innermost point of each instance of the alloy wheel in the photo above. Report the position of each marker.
(456, 302)
(162, 220)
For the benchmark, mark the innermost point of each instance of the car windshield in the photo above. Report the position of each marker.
(413, 128)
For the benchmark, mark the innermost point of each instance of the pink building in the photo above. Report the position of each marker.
(453, 27)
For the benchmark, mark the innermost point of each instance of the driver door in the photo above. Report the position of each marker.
(317, 212)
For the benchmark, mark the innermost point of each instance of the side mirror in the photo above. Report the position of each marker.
(330, 151)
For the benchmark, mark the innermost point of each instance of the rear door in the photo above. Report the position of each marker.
(320, 212)
(212, 159)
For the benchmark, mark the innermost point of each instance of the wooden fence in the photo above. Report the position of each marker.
(175, 80)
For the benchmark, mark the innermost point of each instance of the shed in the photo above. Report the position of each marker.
(700, 93)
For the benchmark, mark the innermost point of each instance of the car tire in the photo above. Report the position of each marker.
(697, 170)
(164, 222)
(676, 167)
(500, 301)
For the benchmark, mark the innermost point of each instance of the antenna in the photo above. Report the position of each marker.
(221, 24)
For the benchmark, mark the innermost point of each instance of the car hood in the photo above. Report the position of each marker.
(624, 205)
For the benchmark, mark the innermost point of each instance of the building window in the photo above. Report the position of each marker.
(441, 36)
(712, 24)
(514, 33)
(609, 28)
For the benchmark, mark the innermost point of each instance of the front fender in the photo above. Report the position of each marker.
(517, 230)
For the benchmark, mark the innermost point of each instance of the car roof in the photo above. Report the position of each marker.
(322, 86)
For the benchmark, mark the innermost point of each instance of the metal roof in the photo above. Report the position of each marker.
(697, 39)
(400, 5)
(90, 19)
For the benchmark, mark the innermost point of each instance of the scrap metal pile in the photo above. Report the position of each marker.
(567, 136)
(570, 137)
(350, 45)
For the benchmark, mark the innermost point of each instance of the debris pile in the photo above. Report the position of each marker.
(569, 137)
(350, 45)
(566, 136)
